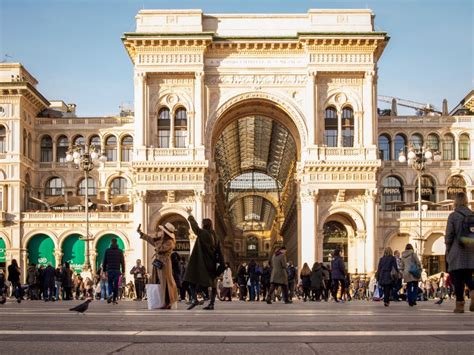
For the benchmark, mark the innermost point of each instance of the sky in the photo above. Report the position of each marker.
(73, 47)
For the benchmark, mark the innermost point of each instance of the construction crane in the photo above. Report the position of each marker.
(421, 109)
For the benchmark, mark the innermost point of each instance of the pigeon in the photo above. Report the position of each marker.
(82, 307)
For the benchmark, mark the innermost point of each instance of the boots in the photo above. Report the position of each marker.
(471, 307)
(459, 307)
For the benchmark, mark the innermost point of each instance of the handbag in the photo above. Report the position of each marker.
(158, 264)
(414, 270)
(394, 274)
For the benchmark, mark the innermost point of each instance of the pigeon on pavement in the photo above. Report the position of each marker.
(82, 307)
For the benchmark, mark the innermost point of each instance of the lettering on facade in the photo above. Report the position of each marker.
(182, 245)
(392, 191)
(455, 190)
(256, 79)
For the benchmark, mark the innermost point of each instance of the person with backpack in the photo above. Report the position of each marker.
(411, 268)
(459, 240)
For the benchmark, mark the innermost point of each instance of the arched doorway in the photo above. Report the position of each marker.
(335, 237)
(74, 252)
(103, 244)
(183, 246)
(434, 251)
(41, 250)
(255, 146)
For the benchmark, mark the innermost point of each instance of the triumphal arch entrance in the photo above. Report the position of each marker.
(265, 123)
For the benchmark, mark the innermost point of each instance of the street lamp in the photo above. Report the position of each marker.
(419, 159)
(85, 158)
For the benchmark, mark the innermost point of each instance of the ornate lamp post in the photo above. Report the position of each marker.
(419, 159)
(85, 158)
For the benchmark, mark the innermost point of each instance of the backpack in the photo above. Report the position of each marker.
(466, 235)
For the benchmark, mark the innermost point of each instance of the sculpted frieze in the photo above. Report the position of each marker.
(340, 58)
(256, 79)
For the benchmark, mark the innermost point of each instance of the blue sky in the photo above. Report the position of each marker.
(73, 47)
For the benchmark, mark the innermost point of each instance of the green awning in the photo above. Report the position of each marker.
(103, 244)
(41, 250)
(74, 252)
(3, 251)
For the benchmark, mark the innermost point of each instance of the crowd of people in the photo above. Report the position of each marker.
(206, 276)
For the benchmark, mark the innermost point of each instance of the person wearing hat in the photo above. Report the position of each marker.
(164, 243)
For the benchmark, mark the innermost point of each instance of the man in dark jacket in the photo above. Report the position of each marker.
(114, 265)
(202, 270)
(48, 283)
(338, 274)
(14, 278)
(138, 272)
(291, 279)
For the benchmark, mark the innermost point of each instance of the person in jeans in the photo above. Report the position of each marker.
(114, 265)
(48, 283)
(338, 274)
(138, 272)
(385, 279)
(409, 260)
(459, 256)
(14, 277)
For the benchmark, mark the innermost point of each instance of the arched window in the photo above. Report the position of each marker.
(25, 143)
(456, 184)
(432, 142)
(30, 151)
(347, 127)
(400, 145)
(180, 128)
(416, 140)
(428, 189)
(330, 127)
(448, 147)
(95, 142)
(384, 147)
(3, 139)
(46, 149)
(111, 148)
(79, 140)
(54, 187)
(164, 126)
(392, 191)
(127, 148)
(464, 147)
(119, 186)
(62, 146)
(91, 188)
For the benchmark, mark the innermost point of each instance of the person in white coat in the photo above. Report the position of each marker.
(227, 284)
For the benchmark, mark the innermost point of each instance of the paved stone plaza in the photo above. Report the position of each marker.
(238, 328)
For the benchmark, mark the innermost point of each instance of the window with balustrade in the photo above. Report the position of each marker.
(127, 148)
(180, 128)
(347, 127)
(54, 187)
(384, 147)
(164, 127)
(330, 127)
(448, 147)
(400, 143)
(46, 149)
(111, 148)
(464, 147)
(392, 193)
(62, 146)
(91, 187)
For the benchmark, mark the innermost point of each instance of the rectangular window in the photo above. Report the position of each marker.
(164, 139)
(463, 152)
(448, 151)
(330, 137)
(111, 154)
(180, 138)
(127, 154)
(46, 155)
(3, 147)
(61, 154)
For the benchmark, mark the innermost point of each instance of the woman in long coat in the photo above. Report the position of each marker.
(164, 243)
(385, 279)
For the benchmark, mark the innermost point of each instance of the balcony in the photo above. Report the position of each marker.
(426, 121)
(42, 216)
(328, 155)
(84, 121)
(414, 215)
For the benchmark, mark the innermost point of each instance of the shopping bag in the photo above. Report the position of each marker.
(377, 294)
(154, 297)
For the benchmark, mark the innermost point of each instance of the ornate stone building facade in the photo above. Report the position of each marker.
(266, 124)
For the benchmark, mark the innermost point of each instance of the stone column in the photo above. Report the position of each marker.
(310, 107)
(307, 226)
(198, 115)
(139, 109)
(339, 128)
(370, 245)
(368, 109)
(456, 148)
(360, 262)
(139, 216)
(357, 129)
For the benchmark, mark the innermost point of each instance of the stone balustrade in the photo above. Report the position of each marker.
(44, 216)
